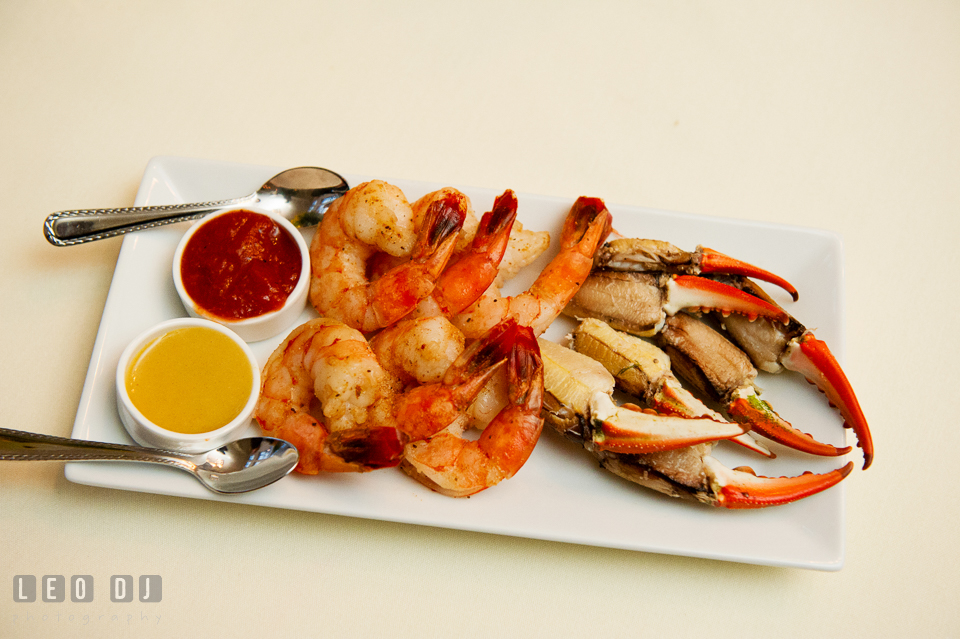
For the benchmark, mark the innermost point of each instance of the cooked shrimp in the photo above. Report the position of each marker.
(418, 350)
(361, 418)
(327, 361)
(368, 219)
(584, 230)
(470, 222)
(457, 467)
(426, 410)
(422, 346)
(473, 270)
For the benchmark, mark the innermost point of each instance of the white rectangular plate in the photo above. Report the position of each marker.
(560, 494)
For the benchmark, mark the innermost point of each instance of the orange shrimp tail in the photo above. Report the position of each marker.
(400, 289)
(373, 448)
(426, 410)
(512, 435)
(444, 218)
(525, 371)
(586, 227)
(584, 230)
(464, 281)
(493, 347)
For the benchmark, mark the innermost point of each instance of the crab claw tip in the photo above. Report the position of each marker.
(755, 413)
(690, 291)
(740, 489)
(812, 358)
(712, 261)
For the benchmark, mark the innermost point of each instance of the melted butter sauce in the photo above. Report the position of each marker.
(190, 380)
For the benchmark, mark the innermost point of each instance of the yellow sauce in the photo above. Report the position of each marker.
(190, 380)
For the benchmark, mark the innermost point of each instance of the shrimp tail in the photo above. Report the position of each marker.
(585, 228)
(401, 288)
(426, 410)
(512, 435)
(525, 373)
(495, 346)
(589, 224)
(372, 448)
(465, 280)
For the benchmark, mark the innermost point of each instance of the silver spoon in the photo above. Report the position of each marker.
(301, 195)
(238, 467)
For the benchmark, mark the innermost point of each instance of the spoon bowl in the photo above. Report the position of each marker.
(246, 464)
(301, 195)
(239, 466)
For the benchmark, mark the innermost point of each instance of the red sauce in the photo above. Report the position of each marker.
(240, 265)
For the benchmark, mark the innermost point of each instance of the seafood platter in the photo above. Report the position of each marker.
(563, 369)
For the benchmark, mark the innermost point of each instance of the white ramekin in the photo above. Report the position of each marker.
(252, 329)
(145, 432)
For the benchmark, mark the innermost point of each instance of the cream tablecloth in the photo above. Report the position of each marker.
(838, 116)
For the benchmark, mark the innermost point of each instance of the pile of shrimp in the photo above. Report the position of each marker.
(415, 344)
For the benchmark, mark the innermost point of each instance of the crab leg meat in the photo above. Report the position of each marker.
(584, 382)
(628, 289)
(639, 303)
(630, 254)
(628, 429)
(572, 379)
(721, 370)
(643, 370)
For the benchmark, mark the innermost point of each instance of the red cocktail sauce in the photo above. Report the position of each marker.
(240, 265)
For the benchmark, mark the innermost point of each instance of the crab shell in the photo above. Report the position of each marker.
(573, 384)
(641, 287)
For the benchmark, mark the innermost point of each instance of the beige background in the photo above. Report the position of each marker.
(840, 116)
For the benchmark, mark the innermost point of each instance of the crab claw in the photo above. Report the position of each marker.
(750, 410)
(688, 292)
(812, 358)
(656, 256)
(623, 429)
(715, 262)
(741, 488)
(672, 399)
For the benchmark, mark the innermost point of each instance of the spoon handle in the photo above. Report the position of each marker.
(17, 445)
(66, 228)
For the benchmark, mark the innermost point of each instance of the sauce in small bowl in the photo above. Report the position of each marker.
(187, 385)
(247, 269)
